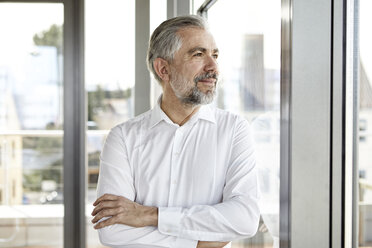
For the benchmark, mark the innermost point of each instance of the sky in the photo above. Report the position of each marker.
(109, 43)
(18, 24)
(109, 37)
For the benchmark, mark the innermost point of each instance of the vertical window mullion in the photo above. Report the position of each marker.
(74, 128)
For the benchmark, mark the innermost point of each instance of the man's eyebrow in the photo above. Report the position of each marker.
(192, 50)
(201, 49)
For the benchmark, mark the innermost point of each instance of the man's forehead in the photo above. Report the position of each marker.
(190, 32)
(194, 38)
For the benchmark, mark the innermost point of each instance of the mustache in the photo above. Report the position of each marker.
(206, 76)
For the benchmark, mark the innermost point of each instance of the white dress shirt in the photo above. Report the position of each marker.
(200, 175)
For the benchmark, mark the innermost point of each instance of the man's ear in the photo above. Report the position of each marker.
(162, 69)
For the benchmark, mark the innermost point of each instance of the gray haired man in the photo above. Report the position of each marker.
(182, 174)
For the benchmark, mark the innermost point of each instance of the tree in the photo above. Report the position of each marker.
(95, 102)
(51, 37)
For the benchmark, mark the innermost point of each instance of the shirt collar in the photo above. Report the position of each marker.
(206, 113)
(157, 114)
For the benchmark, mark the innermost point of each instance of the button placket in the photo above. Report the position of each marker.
(176, 150)
(177, 141)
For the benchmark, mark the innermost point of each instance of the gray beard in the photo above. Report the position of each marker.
(194, 96)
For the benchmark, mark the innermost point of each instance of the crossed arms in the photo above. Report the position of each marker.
(127, 212)
(125, 223)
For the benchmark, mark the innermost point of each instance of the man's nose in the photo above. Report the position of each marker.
(211, 64)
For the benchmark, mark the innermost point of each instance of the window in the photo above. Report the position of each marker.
(31, 121)
(248, 36)
(365, 119)
(109, 81)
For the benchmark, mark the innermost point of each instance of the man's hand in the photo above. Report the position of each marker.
(123, 211)
(263, 228)
(209, 244)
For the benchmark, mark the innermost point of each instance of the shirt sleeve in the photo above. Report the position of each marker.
(115, 177)
(237, 216)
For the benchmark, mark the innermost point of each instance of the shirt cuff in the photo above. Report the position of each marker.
(169, 220)
(185, 243)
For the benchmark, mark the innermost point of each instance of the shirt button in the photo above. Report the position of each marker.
(174, 182)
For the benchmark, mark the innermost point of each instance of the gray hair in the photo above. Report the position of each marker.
(165, 42)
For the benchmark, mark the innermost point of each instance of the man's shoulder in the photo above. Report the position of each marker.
(134, 124)
(226, 116)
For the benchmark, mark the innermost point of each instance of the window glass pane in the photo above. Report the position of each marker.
(248, 36)
(158, 13)
(31, 125)
(365, 125)
(109, 80)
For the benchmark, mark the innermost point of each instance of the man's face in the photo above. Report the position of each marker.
(194, 69)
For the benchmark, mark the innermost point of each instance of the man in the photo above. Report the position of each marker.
(182, 174)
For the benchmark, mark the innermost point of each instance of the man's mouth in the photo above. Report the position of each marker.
(207, 79)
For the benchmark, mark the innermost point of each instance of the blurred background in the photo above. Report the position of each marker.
(248, 34)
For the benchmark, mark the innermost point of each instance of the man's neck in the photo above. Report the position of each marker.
(177, 111)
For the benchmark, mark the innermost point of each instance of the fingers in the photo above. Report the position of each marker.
(106, 197)
(223, 244)
(121, 210)
(211, 244)
(263, 228)
(104, 205)
(107, 222)
(105, 213)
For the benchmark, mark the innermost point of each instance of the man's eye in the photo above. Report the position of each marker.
(198, 54)
(215, 56)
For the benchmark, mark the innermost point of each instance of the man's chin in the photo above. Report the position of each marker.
(207, 97)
